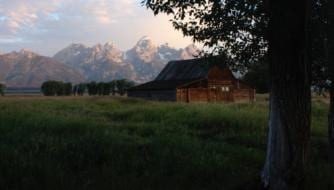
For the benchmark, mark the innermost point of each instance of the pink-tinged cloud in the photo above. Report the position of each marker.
(48, 25)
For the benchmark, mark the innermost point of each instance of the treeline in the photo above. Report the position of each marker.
(2, 89)
(58, 88)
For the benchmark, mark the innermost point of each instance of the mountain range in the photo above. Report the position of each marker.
(79, 63)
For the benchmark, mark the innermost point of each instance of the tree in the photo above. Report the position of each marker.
(122, 85)
(239, 30)
(2, 89)
(113, 87)
(92, 88)
(329, 5)
(290, 99)
(106, 89)
(100, 89)
(60, 88)
(258, 77)
(50, 88)
(75, 90)
(81, 88)
(67, 89)
(229, 28)
(322, 34)
(56, 88)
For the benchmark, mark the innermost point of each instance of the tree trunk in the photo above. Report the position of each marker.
(330, 62)
(290, 96)
(331, 123)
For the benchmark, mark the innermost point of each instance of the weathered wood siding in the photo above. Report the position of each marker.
(246, 94)
(218, 86)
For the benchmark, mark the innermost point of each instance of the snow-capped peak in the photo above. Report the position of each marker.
(144, 38)
(27, 52)
(109, 44)
(145, 43)
(24, 50)
(76, 46)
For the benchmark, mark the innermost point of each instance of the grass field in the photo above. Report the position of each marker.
(120, 143)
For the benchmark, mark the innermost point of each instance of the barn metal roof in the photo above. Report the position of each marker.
(177, 73)
(188, 69)
(161, 85)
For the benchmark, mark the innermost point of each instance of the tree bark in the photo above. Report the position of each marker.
(331, 123)
(290, 96)
(330, 62)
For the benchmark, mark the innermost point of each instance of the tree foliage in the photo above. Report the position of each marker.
(103, 88)
(92, 88)
(235, 29)
(319, 43)
(2, 89)
(79, 89)
(123, 85)
(258, 77)
(56, 88)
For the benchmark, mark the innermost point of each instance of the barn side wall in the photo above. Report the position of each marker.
(192, 95)
(244, 95)
(158, 95)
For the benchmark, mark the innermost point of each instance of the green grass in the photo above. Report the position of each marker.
(105, 143)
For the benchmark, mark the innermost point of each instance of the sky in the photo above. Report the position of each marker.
(47, 26)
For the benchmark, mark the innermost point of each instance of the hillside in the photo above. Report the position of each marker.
(28, 69)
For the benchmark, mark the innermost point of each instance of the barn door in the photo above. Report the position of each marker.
(224, 94)
(213, 94)
(220, 94)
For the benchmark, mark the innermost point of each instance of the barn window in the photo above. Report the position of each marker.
(225, 89)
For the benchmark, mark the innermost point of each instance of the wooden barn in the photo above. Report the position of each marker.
(194, 81)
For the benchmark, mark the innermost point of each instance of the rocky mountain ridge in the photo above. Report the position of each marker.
(28, 69)
(101, 62)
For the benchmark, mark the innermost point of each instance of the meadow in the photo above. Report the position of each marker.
(121, 143)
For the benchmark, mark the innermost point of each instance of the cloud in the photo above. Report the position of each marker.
(56, 23)
(17, 15)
